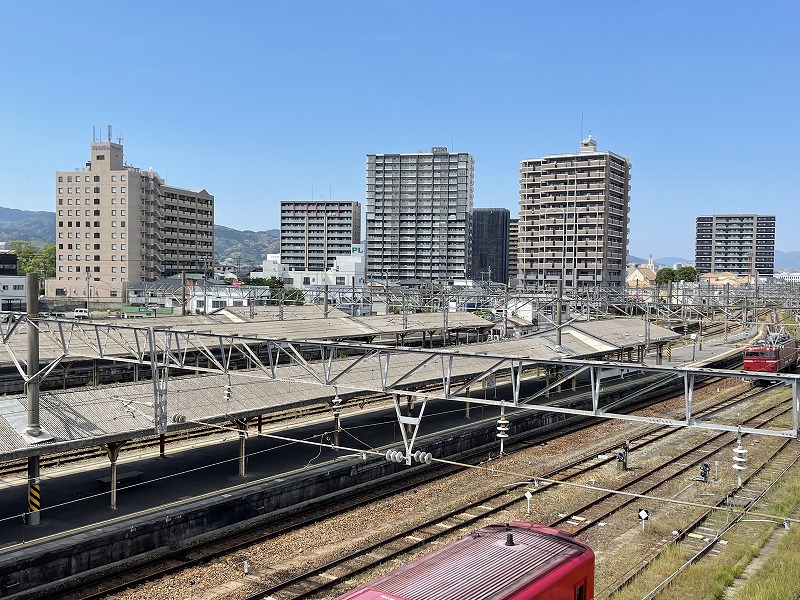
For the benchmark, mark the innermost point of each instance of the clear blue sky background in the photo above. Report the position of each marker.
(263, 101)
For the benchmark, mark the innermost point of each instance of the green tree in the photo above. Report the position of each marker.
(686, 274)
(31, 259)
(272, 282)
(665, 275)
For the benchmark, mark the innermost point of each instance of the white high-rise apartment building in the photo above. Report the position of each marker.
(573, 222)
(419, 216)
(315, 232)
(117, 225)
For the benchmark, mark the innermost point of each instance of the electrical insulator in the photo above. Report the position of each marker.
(395, 456)
(739, 461)
(502, 427)
(228, 392)
(423, 457)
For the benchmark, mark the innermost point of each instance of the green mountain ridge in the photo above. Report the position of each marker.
(245, 249)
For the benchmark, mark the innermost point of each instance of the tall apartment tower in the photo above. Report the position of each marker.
(490, 244)
(513, 250)
(314, 233)
(419, 216)
(117, 225)
(573, 221)
(740, 244)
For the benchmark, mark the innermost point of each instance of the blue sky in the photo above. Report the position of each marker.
(263, 101)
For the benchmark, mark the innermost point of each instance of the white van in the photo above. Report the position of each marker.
(81, 313)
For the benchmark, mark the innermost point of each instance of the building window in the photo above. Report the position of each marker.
(97, 223)
(113, 213)
(87, 189)
(122, 177)
(61, 180)
(97, 269)
(113, 178)
(113, 190)
(122, 223)
(122, 269)
(340, 281)
(122, 189)
(100, 157)
(97, 258)
(96, 201)
(97, 178)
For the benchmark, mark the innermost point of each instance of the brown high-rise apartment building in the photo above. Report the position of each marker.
(117, 225)
(573, 222)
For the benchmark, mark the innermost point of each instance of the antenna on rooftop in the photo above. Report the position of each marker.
(94, 133)
(109, 134)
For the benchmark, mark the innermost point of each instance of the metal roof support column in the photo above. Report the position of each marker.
(33, 430)
(688, 387)
(160, 375)
(241, 425)
(112, 450)
(595, 376)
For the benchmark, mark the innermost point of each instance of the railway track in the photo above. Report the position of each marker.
(335, 572)
(176, 563)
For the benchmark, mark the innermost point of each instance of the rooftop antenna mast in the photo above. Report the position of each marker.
(109, 134)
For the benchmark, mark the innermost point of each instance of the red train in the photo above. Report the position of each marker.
(777, 353)
(518, 561)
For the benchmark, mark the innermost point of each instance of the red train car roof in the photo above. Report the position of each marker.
(480, 566)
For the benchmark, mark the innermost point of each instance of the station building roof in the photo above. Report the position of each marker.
(90, 416)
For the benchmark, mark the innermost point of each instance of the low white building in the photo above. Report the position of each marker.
(793, 277)
(12, 292)
(346, 271)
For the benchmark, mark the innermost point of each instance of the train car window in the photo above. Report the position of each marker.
(580, 591)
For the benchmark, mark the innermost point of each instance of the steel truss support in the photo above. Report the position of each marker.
(354, 367)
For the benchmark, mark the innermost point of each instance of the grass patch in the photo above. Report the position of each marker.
(708, 579)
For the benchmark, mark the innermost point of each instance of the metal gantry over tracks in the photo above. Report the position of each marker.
(362, 367)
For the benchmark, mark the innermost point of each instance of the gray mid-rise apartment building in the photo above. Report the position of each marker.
(573, 221)
(315, 232)
(739, 244)
(419, 216)
(120, 226)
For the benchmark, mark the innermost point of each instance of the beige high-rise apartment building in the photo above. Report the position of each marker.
(573, 222)
(117, 225)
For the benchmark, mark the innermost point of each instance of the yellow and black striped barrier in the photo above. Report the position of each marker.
(34, 497)
(669, 353)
